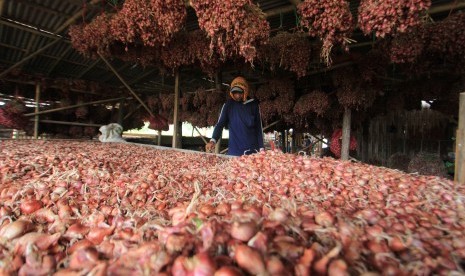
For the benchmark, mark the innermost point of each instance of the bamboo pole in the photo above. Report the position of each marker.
(126, 84)
(175, 142)
(72, 106)
(459, 175)
(345, 134)
(36, 120)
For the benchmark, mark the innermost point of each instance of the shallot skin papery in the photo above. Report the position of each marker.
(125, 208)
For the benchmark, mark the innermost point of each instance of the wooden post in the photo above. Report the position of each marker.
(175, 143)
(218, 88)
(345, 134)
(159, 138)
(459, 175)
(36, 121)
(71, 106)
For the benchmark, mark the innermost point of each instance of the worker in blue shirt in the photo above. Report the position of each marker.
(242, 116)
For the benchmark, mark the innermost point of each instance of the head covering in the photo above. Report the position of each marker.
(241, 83)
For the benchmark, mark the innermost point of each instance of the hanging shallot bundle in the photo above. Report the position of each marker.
(284, 45)
(407, 47)
(199, 50)
(94, 37)
(331, 21)
(235, 28)
(176, 53)
(315, 101)
(351, 91)
(153, 22)
(389, 17)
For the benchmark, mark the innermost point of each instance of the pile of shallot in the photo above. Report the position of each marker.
(73, 208)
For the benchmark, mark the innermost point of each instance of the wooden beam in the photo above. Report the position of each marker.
(73, 18)
(53, 86)
(447, 7)
(125, 65)
(30, 29)
(126, 85)
(2, 3)
(90, 67)
(32, 41)
(39, 7)
(58, 60)
(29, 57)
(68, 123)
(149, 72)
(327, 69)
(12, 47)
(73, 106)
(63, 26)
(459, 175)
(36, 119)
(345, 134)
(175, 143)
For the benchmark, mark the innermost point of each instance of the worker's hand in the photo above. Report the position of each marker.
(210, 146)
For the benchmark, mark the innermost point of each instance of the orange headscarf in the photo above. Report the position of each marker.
(242, 83)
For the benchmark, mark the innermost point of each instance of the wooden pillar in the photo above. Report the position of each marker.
(345, 134)
(176, 140)
(159, 138)
(36, 121)
(459, 175)
(218, 88)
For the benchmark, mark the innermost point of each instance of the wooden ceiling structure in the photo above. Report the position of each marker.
(35, 45)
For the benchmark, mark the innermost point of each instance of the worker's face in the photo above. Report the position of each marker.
(238, 96)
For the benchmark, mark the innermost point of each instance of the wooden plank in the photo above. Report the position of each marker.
(345, 134)
(459, 175)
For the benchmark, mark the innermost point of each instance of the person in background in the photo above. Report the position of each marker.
(242, 116)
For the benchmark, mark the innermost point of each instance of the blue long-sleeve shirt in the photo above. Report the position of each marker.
(245, 126)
